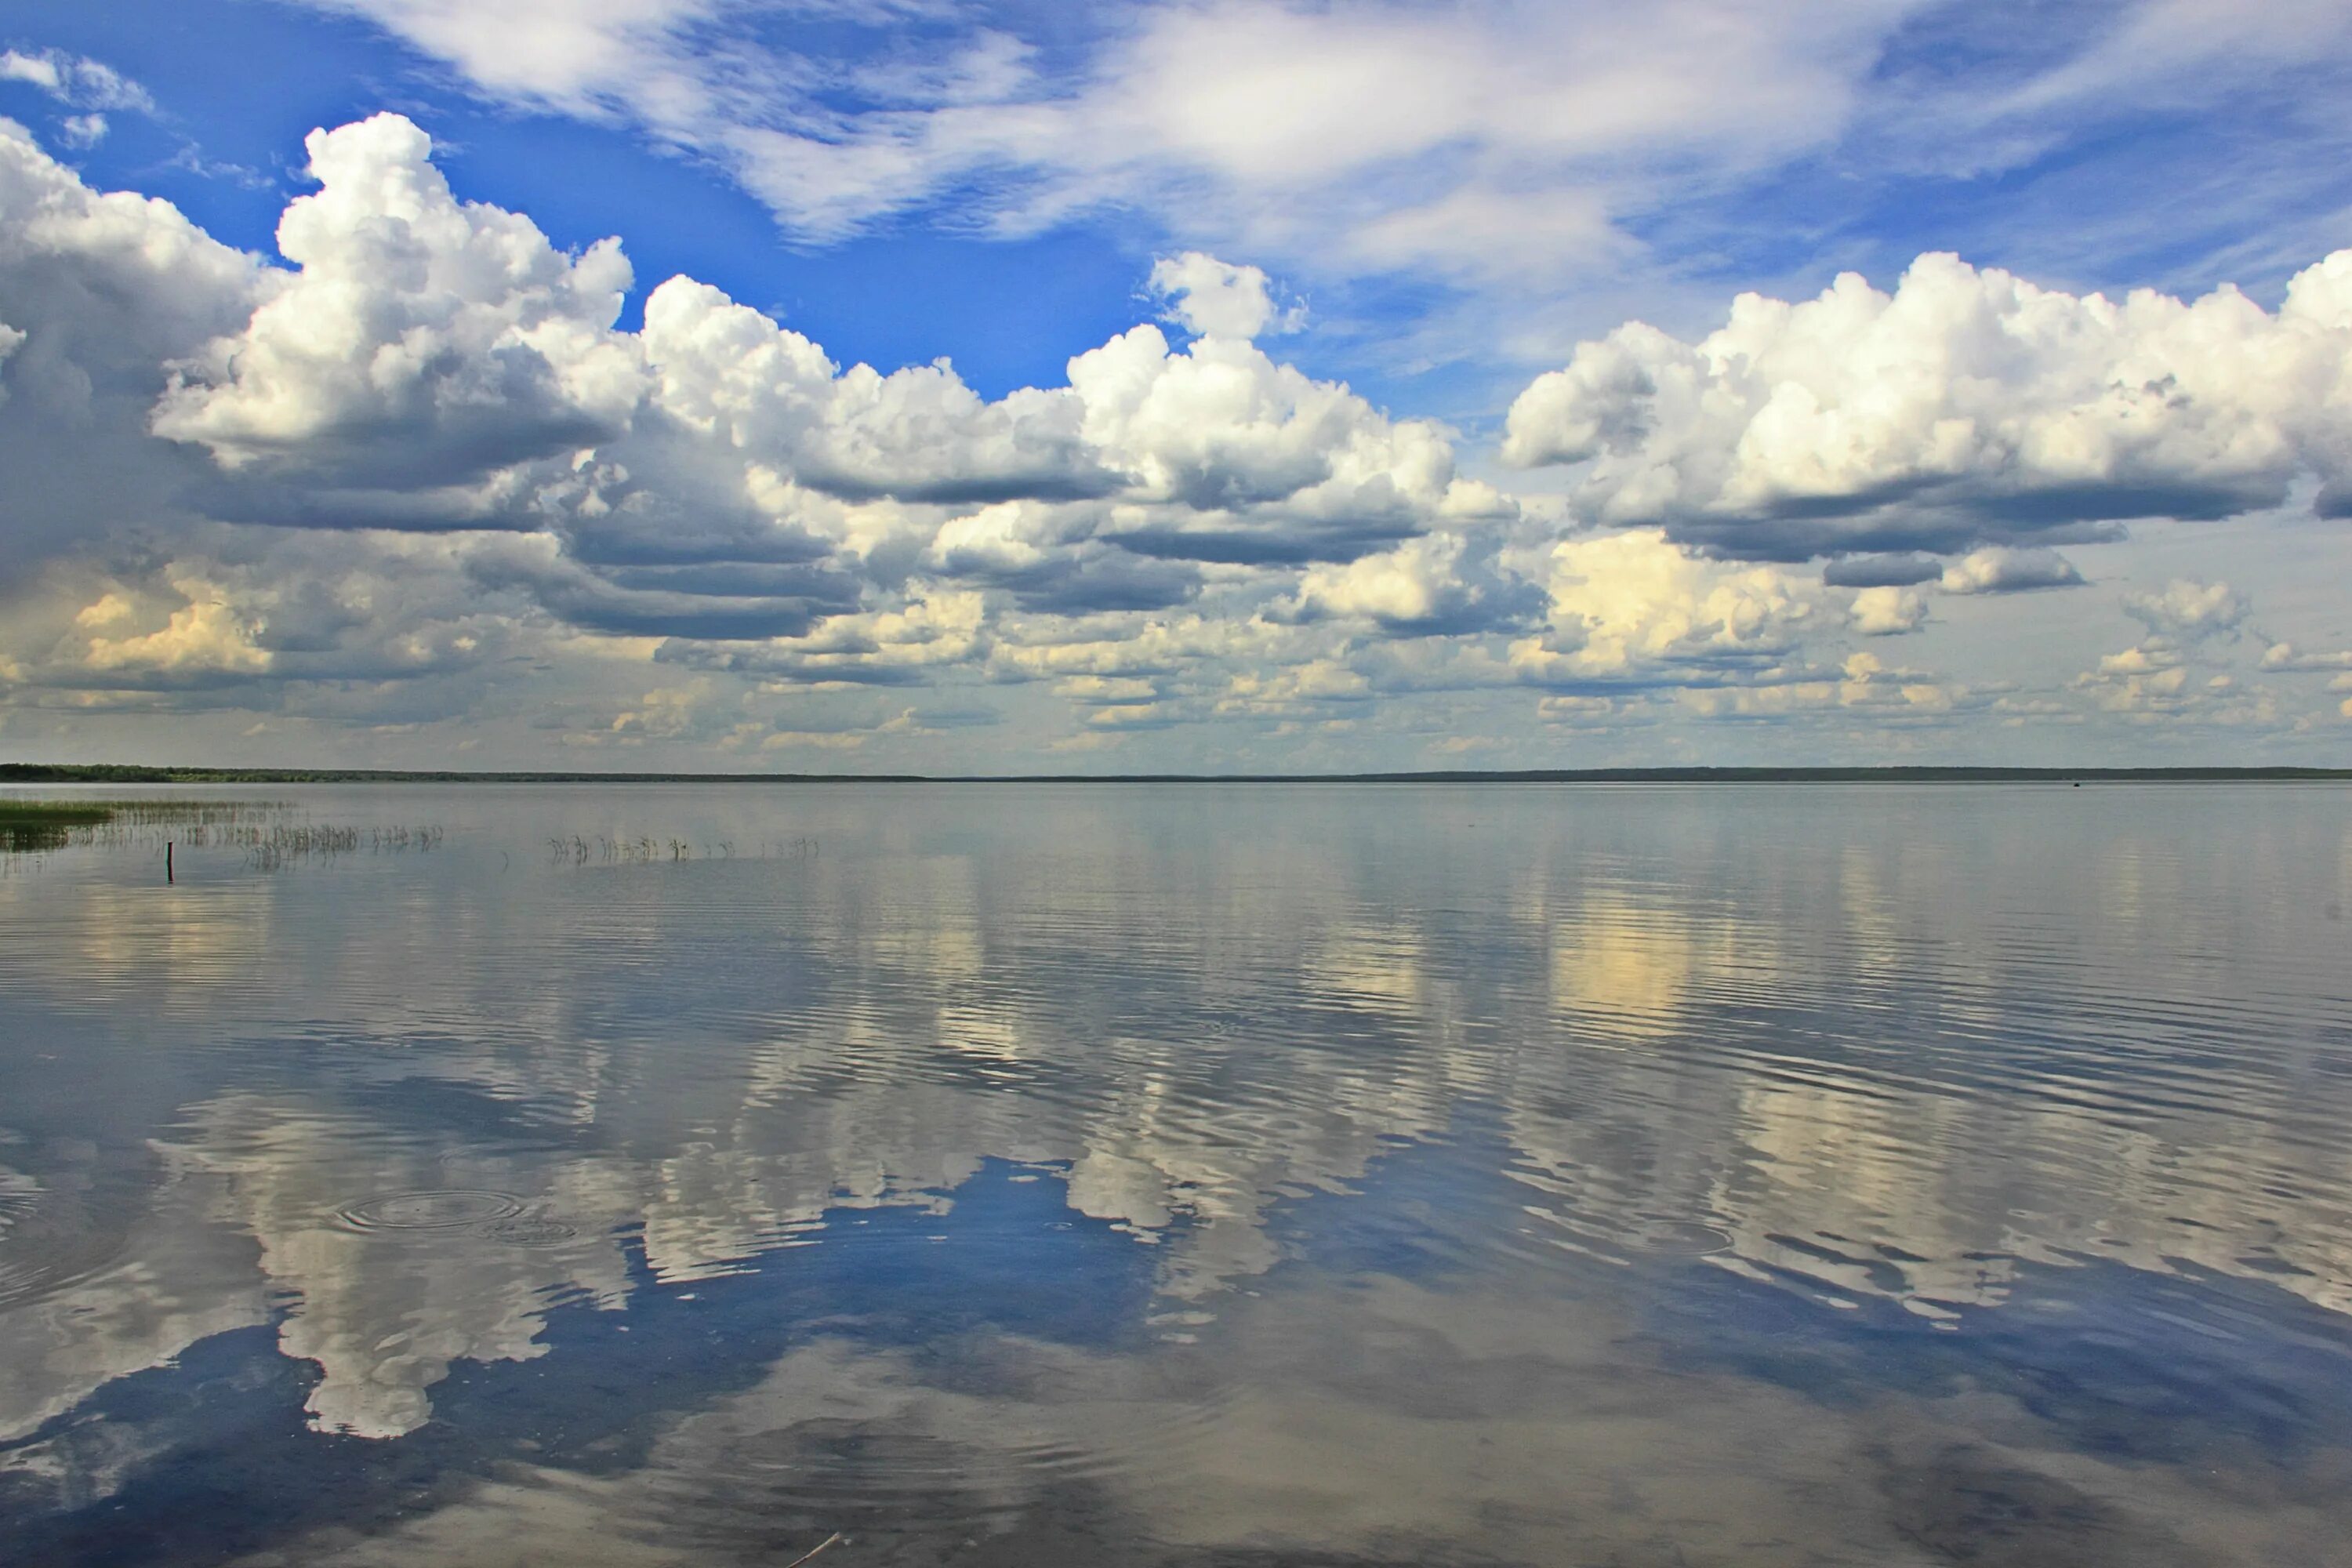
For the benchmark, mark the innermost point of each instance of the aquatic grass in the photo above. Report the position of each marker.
(31, 825)
(266, 830)
(41, 825)
(59, 813)
(273, 837)
(305, 840)
(154, 824)
(645, 849)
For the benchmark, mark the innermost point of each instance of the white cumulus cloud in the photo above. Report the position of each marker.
(411, 468)
(2190, 610)
(1624, 604)
(1887, 612)
(1999, 570)
(1967, 406)
(99, 292)
(420, 340)
(1217, 299)
(2286, 655)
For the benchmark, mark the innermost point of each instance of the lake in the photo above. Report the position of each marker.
(1234, 1175)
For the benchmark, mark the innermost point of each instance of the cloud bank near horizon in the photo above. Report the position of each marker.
(411, 479)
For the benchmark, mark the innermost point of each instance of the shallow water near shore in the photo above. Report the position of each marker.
(1037, 1175)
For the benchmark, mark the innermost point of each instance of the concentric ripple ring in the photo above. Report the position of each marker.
(447, 1209)
(1681, 1237)
(527, 1231)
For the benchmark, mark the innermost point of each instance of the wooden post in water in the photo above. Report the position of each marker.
(167, 862)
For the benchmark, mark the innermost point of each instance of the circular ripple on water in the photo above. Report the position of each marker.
(48, 1241)
(882, 1474)
(1681, 1238)
(447, 1209)
(528, 1231)
(841, 1475)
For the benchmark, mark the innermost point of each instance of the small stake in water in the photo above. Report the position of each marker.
(813, 1550)
(167, 862)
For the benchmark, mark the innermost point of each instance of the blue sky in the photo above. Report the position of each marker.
(1332, 514)
(237, 86)
(2155, 189)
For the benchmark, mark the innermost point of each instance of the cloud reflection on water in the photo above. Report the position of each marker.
(1324, 1065)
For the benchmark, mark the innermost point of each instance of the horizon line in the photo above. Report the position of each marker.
(1918, 773)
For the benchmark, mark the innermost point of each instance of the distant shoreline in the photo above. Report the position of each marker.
(111, 773)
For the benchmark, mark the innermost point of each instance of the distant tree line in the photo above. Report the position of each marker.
(125, 773)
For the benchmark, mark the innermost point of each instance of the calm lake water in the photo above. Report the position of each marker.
(1199, 1175)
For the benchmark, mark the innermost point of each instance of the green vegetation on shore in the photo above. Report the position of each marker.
(117, 772)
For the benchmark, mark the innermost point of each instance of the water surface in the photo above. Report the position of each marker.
(1190, 1175)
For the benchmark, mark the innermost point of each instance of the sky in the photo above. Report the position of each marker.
(827, 386)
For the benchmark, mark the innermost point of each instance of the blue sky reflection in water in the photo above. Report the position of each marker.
(1284, 1174)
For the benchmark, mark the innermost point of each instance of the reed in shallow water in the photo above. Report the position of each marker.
(42, 825)
(270, 832)
(34, 825)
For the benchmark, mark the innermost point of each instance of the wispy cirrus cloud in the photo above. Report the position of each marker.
(78, 82)
(75, 80)
(1536, 165)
